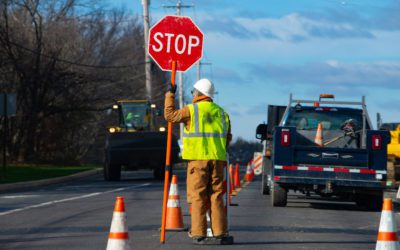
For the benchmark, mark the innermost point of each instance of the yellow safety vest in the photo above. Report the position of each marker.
(207, 135)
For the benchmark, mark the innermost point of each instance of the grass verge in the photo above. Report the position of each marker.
(38, 172)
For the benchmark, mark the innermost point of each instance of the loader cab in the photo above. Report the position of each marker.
(135, 115)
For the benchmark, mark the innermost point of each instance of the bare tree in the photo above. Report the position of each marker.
(67, 61)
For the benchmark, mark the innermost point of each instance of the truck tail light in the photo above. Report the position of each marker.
(285, 137)
(376, 142)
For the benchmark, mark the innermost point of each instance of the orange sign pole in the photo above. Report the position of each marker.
(167, 166)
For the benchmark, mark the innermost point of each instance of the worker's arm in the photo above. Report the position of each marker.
(174, 115)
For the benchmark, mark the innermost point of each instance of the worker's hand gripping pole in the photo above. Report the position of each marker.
(167, 166)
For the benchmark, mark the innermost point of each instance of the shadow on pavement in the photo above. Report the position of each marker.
(324, 204)
(303, 242)
(291, 229)
(82, 229)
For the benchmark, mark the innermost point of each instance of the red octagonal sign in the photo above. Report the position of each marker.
(175, 38)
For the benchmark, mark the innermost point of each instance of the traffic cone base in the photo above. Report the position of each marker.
(387, 235)
(117, 244)
(118, 238)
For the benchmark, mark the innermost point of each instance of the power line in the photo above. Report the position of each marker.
(76, 63)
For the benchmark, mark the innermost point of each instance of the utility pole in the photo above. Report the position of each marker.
(145, 4)
(378, 120)
(5, 136)
(199, 68)
(178, 8)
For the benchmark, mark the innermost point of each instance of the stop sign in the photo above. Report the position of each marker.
(175, 38)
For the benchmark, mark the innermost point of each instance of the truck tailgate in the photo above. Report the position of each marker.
(331, 156)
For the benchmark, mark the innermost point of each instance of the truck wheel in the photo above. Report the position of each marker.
(159, 172)
(265, 188)
(278, 195)
(372, 202)
(266, 176)
(376, 202)
(112, 172)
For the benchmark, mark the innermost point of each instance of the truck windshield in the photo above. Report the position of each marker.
(135, 115)
(330, 118)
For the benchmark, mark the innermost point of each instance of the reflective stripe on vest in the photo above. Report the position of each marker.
(205, 140)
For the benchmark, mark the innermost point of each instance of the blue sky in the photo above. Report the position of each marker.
(263, 50)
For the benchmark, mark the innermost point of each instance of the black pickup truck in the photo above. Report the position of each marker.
(349, 161)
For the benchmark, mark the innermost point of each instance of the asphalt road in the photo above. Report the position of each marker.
(77, 215)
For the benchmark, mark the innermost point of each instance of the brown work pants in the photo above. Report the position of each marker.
(205, 190)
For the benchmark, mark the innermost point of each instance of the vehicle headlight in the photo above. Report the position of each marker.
(162, 129)
(111, 130)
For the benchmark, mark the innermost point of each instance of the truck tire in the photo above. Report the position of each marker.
(112, 172)
(265, 189)
(265, 179)
(159, 172)
(372, 202)
(278, 195)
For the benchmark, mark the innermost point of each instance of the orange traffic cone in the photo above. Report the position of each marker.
(249, 172)
(118, 238)
(318, 136)
(237, 176)
(387, 235)
(232, 185)
(252, 169)
(174, 212)
(225, 184)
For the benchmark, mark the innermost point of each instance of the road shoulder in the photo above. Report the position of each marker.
(39, 183)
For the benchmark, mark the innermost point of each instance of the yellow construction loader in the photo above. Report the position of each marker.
(393, 164)
(137, 140)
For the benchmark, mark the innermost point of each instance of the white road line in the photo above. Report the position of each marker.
(18, 196)
(70, 199)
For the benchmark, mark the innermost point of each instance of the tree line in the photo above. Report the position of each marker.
(242, 151)
(68, 61)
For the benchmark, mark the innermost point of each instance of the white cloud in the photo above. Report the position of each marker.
(384, 75)
(332, 63)
(294, 27)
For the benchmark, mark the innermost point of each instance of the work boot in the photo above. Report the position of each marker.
(201, 240)
(198, 240)
(224, 239)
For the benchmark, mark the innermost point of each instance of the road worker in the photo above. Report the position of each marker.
(205, 139)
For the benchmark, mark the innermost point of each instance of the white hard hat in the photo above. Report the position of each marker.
(205, 86)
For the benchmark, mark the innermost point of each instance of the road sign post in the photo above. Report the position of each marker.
(8, 108)
(168, 167)
(175, 44)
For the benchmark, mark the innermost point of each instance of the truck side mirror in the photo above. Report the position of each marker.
(261, 132)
